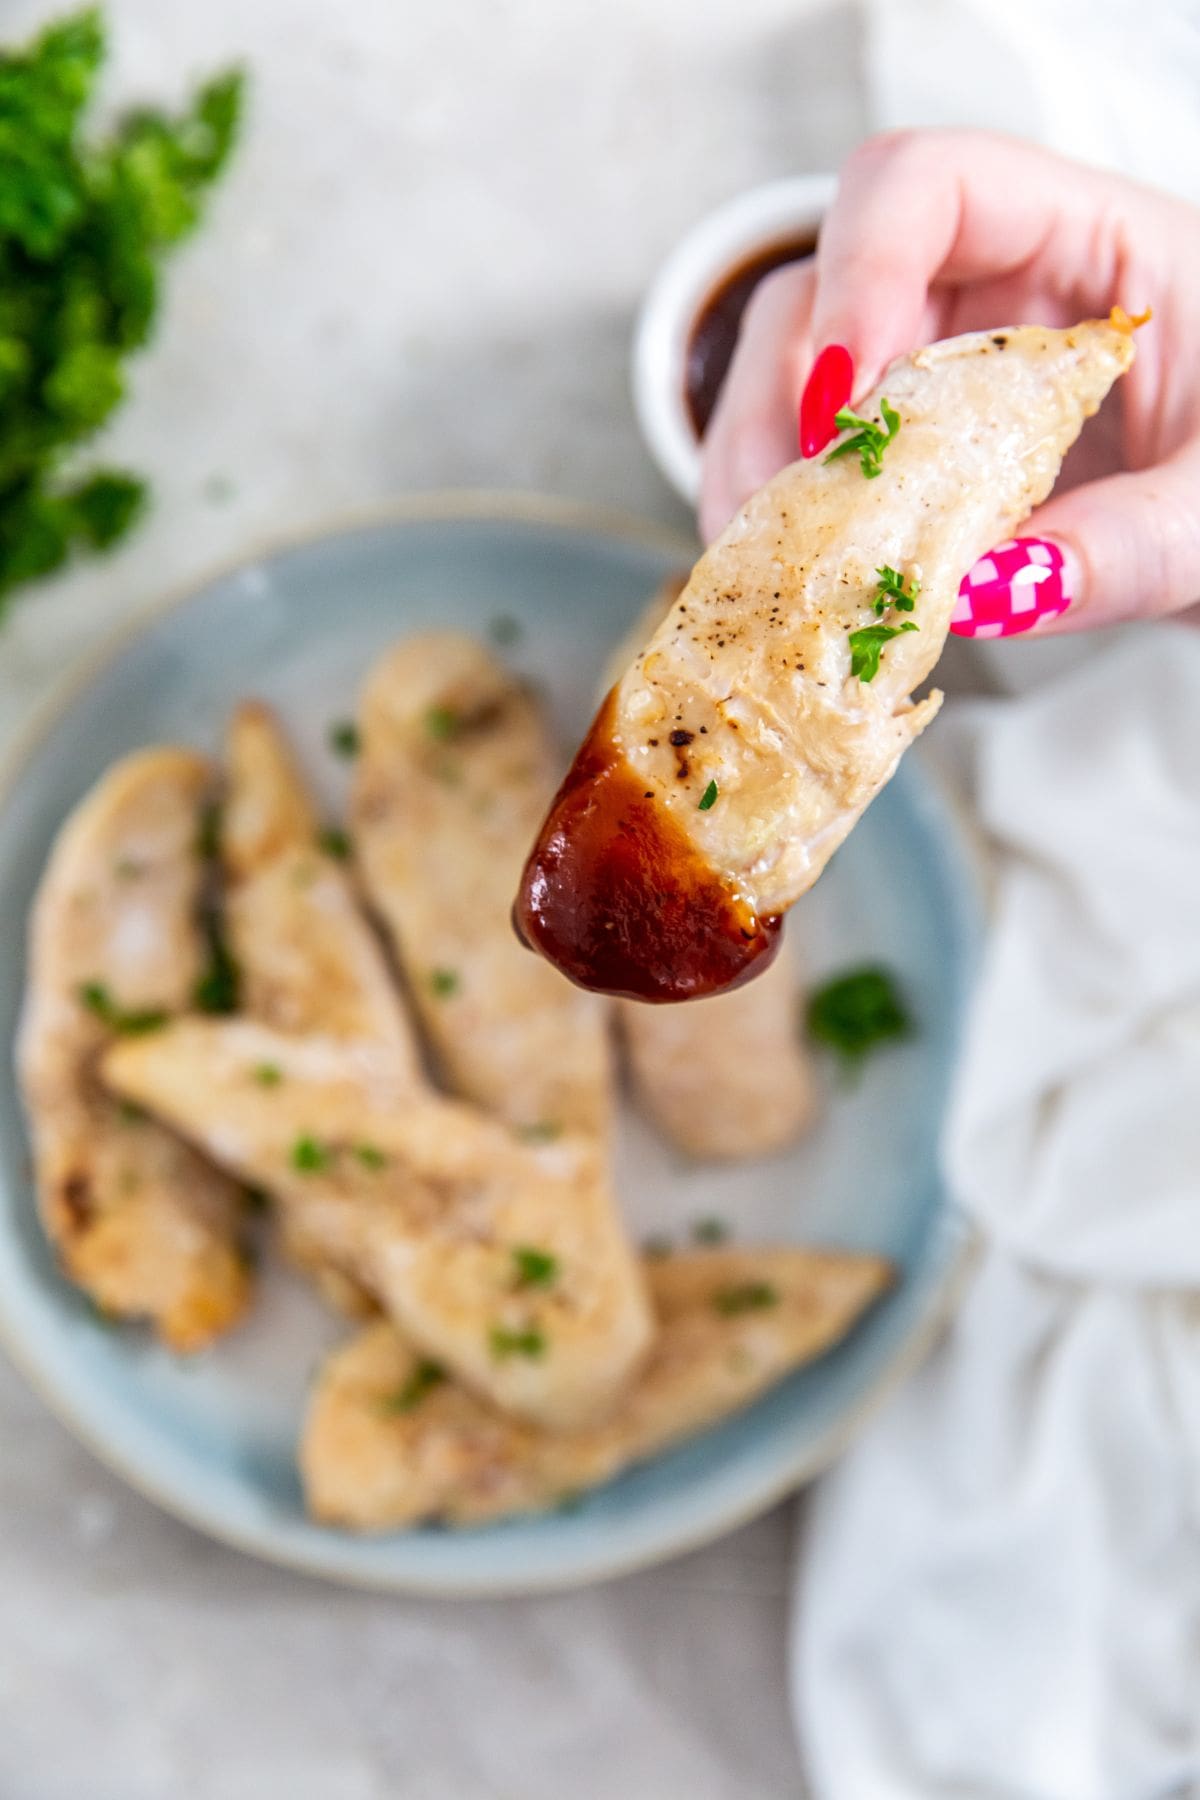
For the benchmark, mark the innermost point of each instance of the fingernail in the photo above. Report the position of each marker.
(826, 391)
(1013, 588)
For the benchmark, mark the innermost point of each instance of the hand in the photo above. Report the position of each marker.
(938, 232)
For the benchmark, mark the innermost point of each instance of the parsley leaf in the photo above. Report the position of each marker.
(869, 441)
(443, 982)
(344, 738)
(441, 723)
(505, 1343)
(218, 986)
(310, 1157)
(747, 1296)
(84, 227)
(892, 591)
(268, 1075)
(709, 796)
(96, 997)
(424, 1378)
(534, 1268)
(541, 1131)
(867, 643)
(370, 1156)
(334, 842)
(504, 629)
(858, 1011)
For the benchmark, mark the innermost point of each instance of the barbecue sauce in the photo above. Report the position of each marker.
(616, 896)
(713, 338)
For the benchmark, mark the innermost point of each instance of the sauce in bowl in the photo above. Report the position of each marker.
(714, 334)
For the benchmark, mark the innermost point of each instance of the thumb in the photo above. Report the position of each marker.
(1124, 548)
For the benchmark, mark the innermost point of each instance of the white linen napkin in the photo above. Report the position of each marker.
(998, 1591)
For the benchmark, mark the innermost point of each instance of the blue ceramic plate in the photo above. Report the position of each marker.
(213, 1438)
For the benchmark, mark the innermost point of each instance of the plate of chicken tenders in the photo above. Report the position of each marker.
(345, 1225)
(426, 1159)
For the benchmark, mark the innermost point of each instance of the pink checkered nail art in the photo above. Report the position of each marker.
(1012, 589)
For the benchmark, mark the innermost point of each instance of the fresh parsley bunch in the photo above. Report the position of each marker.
(83, 229)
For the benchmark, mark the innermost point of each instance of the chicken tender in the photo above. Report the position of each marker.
(740, 748)
(454, 773)
(502, 1258)
(391, 1441)
(728, 1078)
(309, 960)
(143, 1224)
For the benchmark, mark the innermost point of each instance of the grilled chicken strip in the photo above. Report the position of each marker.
(308, 959)
(390, 1442)
(738, 751)
(504, 1259)
(139, 1221)
(727, 1078)
(454, 773)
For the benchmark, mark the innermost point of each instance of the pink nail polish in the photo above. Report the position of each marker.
(1012, 589)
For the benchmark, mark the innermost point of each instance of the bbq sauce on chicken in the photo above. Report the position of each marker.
(617, 898)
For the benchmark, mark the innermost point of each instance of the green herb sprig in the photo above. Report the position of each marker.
(83, 230)
(893, 592)
(533, 1267)
(425, 1377)
(505, 1343)
(857, 1012)
(747, 1296)
(870, 439)
(126, 1023)
(867, 643)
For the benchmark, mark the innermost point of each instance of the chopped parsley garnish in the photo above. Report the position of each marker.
(710, 1231)
(84, 229)
(534, 1268)
(443, 982)
(208, 832)
(133, 1023)
(425, 1377)
(542, 1131)
(344, 739)
(370, 1156)
(441, 723)
(309, 1156)
(268, 1075)
(708, 797)
(334, 842)
(869, 440)
(866, 646)
(857, 1012)
(217, 987)
(746, 1296)
(127, 869)
(892, 591)
(131, 1114)
(504, 629)
(505, 1343)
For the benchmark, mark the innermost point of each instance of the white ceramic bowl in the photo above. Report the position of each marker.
(712, 249)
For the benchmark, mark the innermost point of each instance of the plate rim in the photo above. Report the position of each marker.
(468, 505)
